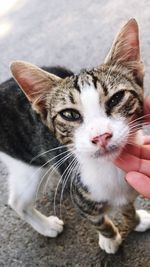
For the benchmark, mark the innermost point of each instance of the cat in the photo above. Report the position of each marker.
(80, 122)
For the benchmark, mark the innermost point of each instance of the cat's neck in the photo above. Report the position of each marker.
(105, 182)
(93, 171)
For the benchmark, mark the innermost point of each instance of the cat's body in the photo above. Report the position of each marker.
(93, 116)
(24, 139)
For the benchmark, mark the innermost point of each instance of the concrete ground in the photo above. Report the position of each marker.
(75, 34)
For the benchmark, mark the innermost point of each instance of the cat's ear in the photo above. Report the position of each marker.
(35, 83)
(126, 50)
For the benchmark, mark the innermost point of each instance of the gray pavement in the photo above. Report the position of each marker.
(74, 34)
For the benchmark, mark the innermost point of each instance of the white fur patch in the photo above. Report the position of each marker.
(144, 221)
(90, 103)
(103, 179)
(24, 184)
(48, 226)
(105, 182)
(110, 245)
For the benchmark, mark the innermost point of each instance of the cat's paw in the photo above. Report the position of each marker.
(110, 245)
(52, 227)
(144, 223)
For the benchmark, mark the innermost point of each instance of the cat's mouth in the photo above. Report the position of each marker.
(111, 152)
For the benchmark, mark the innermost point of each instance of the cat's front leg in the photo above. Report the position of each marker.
(24, 183)
(131, 219)
(143, 221)
(109, 236)
(137, 220)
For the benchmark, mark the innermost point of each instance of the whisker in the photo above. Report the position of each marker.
(36, 172)
(138, 125)
(52, 167)
(68, 171)
(142, 117)
(56, 191)
(53, 149)
(77, 171)
(57, 164)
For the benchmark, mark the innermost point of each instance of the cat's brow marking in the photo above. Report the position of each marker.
(97, 80)
(72, 98)
(85, 80)
(76, 84)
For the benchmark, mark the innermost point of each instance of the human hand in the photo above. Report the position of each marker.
(135, 160)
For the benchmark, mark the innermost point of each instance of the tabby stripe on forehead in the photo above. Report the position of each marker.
(71, 98)
(103, 85)
(76, 85)
(94, 78)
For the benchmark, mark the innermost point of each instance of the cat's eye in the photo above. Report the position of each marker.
(70, 115)
(115, 99)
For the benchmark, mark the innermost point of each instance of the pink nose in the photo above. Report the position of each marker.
(101, 140)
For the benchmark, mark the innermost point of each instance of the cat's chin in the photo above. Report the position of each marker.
(108, 154)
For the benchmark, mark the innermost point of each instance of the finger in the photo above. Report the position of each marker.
(146, 140)
(140, 151)
(139, 182)
(128, 162)
(134, 150)
(145, 152)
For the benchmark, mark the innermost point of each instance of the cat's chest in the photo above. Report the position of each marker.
(105, 182)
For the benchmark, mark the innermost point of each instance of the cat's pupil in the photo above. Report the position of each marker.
(70, 115)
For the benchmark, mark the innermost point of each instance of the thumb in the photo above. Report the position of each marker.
(140, 182)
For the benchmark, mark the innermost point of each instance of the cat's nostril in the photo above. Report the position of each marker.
(94, 141)
(101, 140)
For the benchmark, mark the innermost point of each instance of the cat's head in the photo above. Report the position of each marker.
(96, 110)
